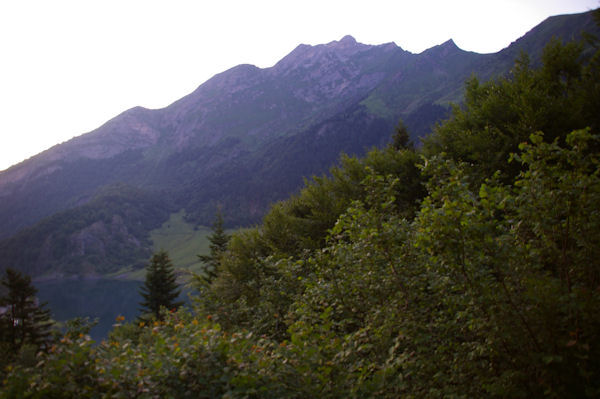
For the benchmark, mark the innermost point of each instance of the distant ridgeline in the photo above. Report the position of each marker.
(241, 141)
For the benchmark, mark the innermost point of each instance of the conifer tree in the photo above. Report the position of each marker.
(22, 320)
(218, 244)
(401, 138)
(160, 288)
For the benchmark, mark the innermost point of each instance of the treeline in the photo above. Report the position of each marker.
(467, 268)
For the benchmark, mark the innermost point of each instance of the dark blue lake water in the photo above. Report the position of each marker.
(103, 299)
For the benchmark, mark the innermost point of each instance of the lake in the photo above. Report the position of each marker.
(104, 299)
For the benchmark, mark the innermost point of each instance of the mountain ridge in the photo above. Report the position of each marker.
(241, 140)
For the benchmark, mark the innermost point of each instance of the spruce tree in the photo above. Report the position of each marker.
(401, 138)
(160, 288)
(218, 245)
(22, 320)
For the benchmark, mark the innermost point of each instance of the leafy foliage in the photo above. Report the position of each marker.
(499, 115)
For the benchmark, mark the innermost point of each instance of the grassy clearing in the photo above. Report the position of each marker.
(183, 242)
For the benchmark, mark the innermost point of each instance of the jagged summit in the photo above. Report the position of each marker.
(444, 49)
(449, 44)
(344, 48)
(344, 42)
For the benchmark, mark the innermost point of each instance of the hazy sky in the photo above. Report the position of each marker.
(66, 67)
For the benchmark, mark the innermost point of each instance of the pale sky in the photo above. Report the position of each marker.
(66, 67)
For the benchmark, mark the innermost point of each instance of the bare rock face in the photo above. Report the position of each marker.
(93, 239)
(89, 240)
(338, 69)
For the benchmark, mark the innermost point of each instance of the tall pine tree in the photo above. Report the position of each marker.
(160, 288)
(218, 244)
(22, 320)
(401, 138)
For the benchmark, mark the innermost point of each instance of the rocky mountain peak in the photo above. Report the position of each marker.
(449, 44)
(345, 46)
(443, 50)
(344, 43)
(341, 49)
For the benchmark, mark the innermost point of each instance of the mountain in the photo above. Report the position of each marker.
(242, 140)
